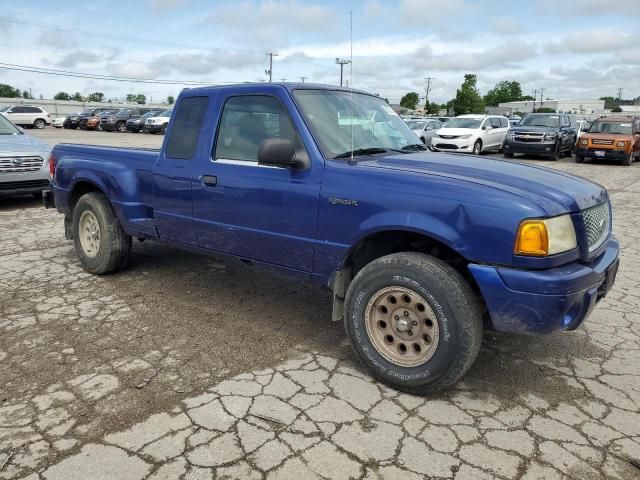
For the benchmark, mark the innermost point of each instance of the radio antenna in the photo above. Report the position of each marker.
(351, 75)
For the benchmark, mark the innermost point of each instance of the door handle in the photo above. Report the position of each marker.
(209, 180)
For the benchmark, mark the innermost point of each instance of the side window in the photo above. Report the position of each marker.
(248, 120)
(185, 127)
(437, 125)
(495, 122)
(504, 123)
(18, 110)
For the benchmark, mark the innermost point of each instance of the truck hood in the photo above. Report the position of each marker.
(521, 129)
(22, 145)
(554, 191)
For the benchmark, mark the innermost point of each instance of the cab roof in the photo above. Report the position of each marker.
(290, 86)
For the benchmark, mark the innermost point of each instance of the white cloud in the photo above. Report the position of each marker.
(589, 7)
(599, 40)
(506, 25)
(161, 7)
(77, 57)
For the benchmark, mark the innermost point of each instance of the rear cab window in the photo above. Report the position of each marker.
(185, 128)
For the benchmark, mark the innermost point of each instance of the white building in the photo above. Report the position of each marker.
(579, 106)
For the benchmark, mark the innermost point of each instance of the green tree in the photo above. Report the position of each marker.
(545, 110)
(170, 100)
(8, 91)
(504, 91)
(410, 101)
(26, 94)
(77, 97)
(136, 98)
(433, 108)
(609, 102)
(468, 99)
(95, 97)
(62, 96)
(616, 109)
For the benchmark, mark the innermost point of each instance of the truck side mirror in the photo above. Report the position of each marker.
(280, 152)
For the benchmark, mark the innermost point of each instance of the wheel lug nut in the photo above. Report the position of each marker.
(406, 314)
(414, 323)
(396, 317)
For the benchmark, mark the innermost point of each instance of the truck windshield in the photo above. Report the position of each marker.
(333, 116)
(617, 128)
(7, 128)
(540, 121)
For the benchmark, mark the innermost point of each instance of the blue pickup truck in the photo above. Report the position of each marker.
(422, 251)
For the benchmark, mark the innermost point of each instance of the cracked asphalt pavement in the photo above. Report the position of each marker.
(190, 367)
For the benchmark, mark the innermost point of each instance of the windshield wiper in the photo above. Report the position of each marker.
(361, 151)
(414, 147)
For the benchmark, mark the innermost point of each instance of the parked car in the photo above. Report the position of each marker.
(118, 121)
(420, 250)
(27, 116)
(137, 124)
(612, 138)
(443, 119)
(471, 133)
(80, 119)
(158, 123)
(24, 161)
(95, 122)
(550, 134)
(424, 128)
(58, 122)
(513, 122)
(582, 126)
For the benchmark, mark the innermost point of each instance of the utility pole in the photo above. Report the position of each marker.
(342, 63)
(302, 79)
(620, 93)
(535, 92)
(541, 97)
(270, 71)
(283, 79)
(426, 97)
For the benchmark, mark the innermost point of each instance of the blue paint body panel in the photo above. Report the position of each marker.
(290, 219)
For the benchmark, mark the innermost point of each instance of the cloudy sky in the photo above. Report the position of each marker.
(586, 49)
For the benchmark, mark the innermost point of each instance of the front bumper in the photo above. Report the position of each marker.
(71, 123)
(152, 128)
(533, 148)
(543, 301)
(23, 187)
(452, 144)
(608, 154)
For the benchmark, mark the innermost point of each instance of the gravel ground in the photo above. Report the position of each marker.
(192, 367)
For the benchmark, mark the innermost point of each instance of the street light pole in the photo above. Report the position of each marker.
(342, 63)
(270, 71)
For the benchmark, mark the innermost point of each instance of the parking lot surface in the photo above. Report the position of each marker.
(192, 367)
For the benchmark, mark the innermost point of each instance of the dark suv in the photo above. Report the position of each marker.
(550, 134)
(137, 124)
(118, 121)
(76, 120)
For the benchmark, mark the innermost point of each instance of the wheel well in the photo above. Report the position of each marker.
(78, 191)
(39, 118)
(395, 241)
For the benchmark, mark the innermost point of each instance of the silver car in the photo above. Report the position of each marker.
(424, 128)
(24, 161)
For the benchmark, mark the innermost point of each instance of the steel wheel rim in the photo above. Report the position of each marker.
(89, 233)
(402, 326)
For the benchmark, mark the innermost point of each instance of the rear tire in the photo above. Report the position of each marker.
(413, 360)
(39, 123)
(100, 241)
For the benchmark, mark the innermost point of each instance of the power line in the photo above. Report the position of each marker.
(67, 73)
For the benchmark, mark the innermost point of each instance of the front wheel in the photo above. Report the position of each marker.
(555, 156)
(477, 147)
(579, 158)
(121, 127)
(414, 322)
(100, 241)
(628, 159)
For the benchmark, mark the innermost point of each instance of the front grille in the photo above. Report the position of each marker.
(26, 184)
(449, 137)
(20, 164)
(446, 146)
(528, 138)
(104, 120)
(596, 224)
(597, 141)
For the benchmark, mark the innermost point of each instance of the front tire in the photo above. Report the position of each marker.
(579, 158)
(121, 127)
(100, 241)
(477, 147)
(555, 156)
(414, 322)
(628, 160)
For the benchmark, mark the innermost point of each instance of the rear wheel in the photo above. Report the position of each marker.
(100, 242)
(477, 147)
(414, 321)
(39, 123)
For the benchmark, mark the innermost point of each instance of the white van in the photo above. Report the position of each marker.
(471, 133)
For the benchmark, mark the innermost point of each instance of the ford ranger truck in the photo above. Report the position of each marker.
(611, 138)
(423, 251)
(548, 134)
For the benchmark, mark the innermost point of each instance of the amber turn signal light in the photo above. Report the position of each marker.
(532, 239)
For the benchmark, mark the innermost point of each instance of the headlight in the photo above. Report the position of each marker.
(510, 133)
(584, 141)
(550, 137)
(111, 119)
(465, 136)
(621, 144)
(539, 238)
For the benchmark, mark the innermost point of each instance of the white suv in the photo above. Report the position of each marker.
(471, 133)
(27, 116)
